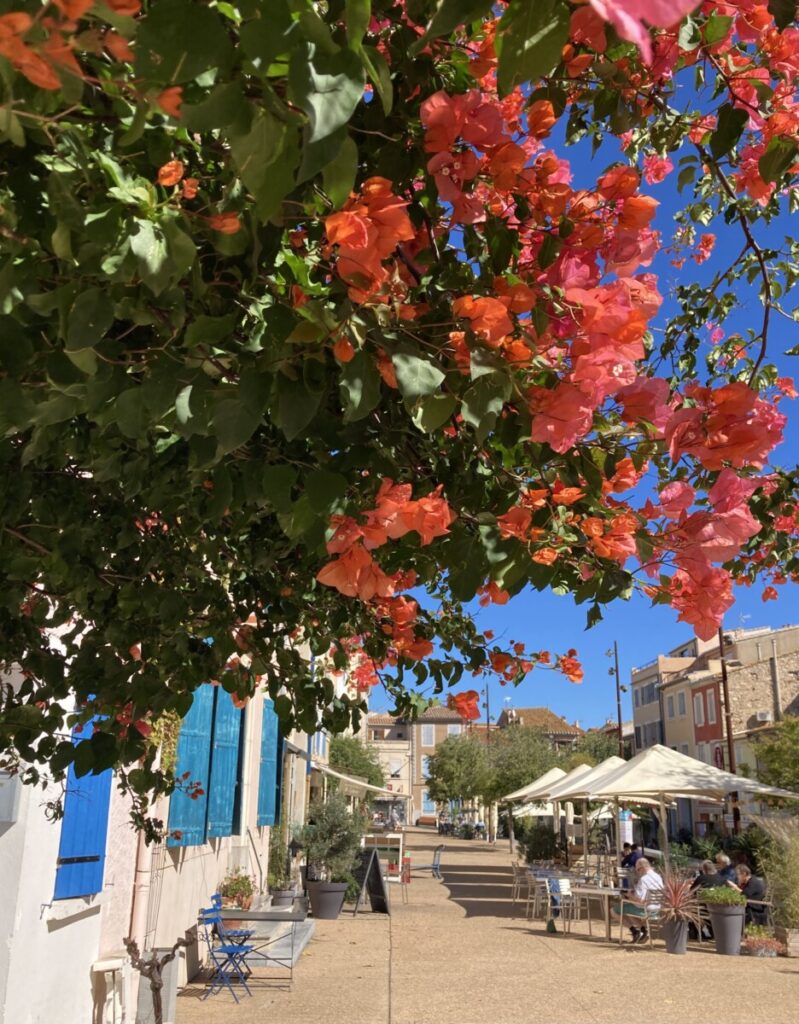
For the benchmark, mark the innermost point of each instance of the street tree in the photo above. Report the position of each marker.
(352, 757)
(459, 770)
(778, 755)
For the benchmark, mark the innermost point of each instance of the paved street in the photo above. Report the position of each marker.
(454, 954)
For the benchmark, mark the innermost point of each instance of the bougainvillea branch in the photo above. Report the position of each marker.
(310, 337)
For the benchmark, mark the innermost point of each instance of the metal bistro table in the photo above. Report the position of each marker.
(294, 915)
(604, 892)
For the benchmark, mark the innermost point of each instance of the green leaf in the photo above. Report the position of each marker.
(780, 155)
(433, 412)
(234, 423)
(266, 37)
(729, 129)
(297, 404)
(267, 157)
(225, 106)
(208, 330)
(328, 88)
(448, 16)
(177, 40)
(11, 127)
(324, 489)
(338, 177)
(783, 11)
(531, 38)
(148, 245)
(716, 28)
(380, 75)
(483, 402)
(89, 319)
(130, 413)
(16, 348)
(357, 14)
(416, 376)
(360, 387)
(278, 482)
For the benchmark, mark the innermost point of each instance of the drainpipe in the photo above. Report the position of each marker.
(141, 892)
(776, 682)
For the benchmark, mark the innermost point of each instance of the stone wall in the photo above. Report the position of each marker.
(752, 689)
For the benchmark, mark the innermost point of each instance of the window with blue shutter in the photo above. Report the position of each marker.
(186, 815)
(84, 829)
(224, 766)
(268, 773)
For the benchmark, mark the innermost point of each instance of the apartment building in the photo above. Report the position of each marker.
(562, 734)
(404, 749)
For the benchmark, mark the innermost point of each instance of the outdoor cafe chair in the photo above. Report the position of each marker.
(234, 934)
(560, 898)
(227, 959)
(435, 867)
(652, 919)
(521, 882)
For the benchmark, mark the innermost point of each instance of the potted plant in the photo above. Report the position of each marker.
(237, 890)
(679, 908)
(727, 907)
(331, 840)
(782, 875)
(759, 941)
(281, 885)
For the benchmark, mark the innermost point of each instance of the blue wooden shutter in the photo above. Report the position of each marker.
(186, 816)
(84, 828)
(224, 765)
(267, 776)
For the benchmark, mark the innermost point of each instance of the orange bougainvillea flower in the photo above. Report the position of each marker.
(170, 100)
(225, 223)
(127, 7)
(74, 9)
(343, 350)
(466, 704)
(189, 187)
(572, 669)
(170, 173)
(489, 317)
(545, 556)
(117, 46)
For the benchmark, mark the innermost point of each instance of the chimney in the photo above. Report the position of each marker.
(577, 723)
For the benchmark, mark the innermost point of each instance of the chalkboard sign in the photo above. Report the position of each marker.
(368, 875)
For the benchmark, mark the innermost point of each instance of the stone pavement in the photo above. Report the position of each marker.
(454, 954)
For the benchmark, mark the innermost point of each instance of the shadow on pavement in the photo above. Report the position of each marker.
(480, 893)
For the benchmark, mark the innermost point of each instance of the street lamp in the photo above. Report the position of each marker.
(615, 672)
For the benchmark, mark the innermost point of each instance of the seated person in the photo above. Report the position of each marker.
(632, 857)
(708, 877)
(646, 898)
(753, 888)
(724, 867)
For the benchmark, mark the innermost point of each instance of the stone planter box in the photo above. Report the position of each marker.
(789, 937)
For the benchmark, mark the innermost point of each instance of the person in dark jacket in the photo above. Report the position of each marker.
(708, 877)
(753, 888)
(632, 858)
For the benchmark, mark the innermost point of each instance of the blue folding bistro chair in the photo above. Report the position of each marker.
(234, 934)
(227, 958)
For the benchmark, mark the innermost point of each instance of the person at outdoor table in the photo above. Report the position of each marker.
(632, 857)
(724, 867)
(708, 877)
(645, 898)
(753, 888)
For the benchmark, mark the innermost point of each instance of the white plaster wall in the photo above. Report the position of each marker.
(57, 953)
(120, 864)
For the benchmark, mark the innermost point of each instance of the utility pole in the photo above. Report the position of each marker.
(725, 690)
(618, 698)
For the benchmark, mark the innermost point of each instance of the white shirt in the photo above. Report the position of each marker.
(646, 887)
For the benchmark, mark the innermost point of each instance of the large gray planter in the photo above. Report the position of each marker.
(675, 935)
(327, 899)
(728, 928)
(282, 897)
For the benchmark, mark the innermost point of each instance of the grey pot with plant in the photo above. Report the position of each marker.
(282, 887)
(727, 909)
(330, 841)
(679, 908)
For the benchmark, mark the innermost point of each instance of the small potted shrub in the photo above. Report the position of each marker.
(727, 908)
(679, 908)
(759, 941)
(330, 840)
(237, 890)
(281, 886)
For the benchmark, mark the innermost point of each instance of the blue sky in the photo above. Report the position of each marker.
(544, 620)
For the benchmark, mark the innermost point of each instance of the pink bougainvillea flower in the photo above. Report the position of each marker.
(631, 17)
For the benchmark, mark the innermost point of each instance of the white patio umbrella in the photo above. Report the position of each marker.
(581, 786)
(533, 810)
(534, 789)
(664, 774)
(554, 790)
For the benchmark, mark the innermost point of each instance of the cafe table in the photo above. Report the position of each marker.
(604, 893)
(292, 915)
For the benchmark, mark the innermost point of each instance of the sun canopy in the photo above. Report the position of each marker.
(532, 810)
(532, 789)
(582, 786)
(566, 783)
(351, 785)
(659, 772)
